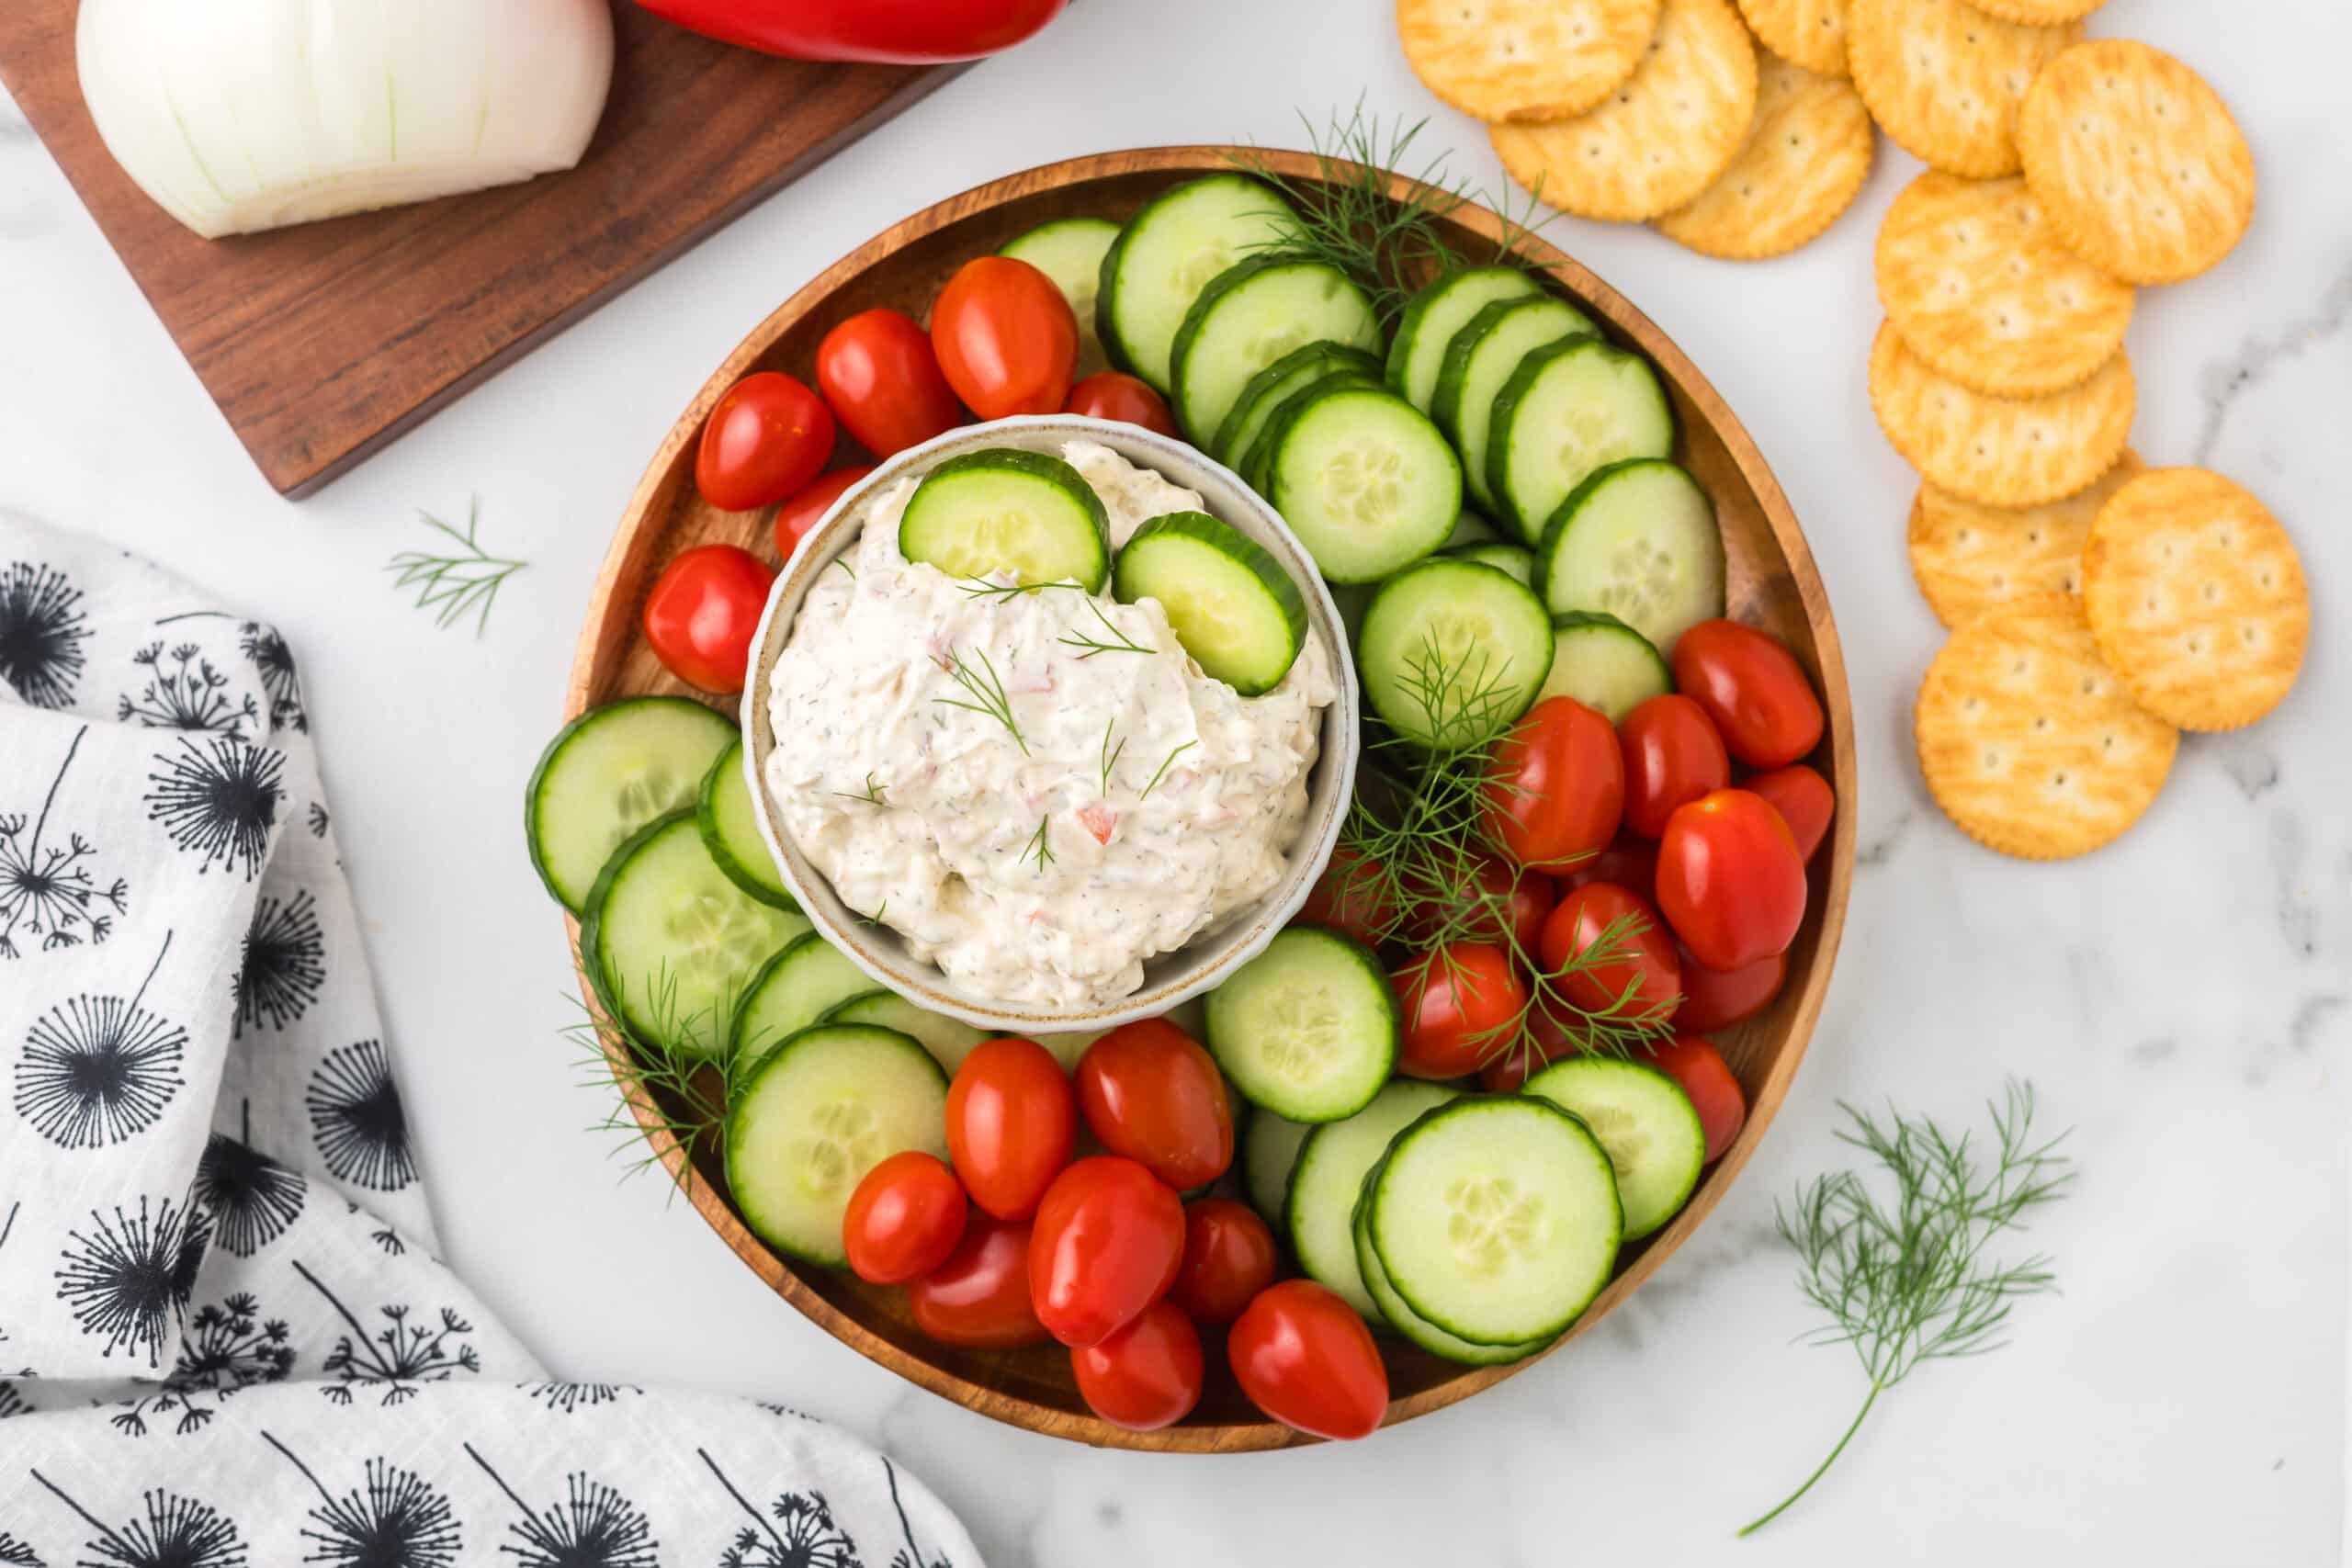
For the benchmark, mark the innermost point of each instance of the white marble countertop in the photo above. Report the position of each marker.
(2185, 998)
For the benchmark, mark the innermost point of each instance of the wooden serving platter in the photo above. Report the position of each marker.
(1772, 584)
(321, 342)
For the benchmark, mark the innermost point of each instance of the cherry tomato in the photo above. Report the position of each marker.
(1753, 688)
(1556, 786)
(701, 614)
(1730, 880)
(1630, 862)
(1005, 338)
(1012, 1121)
(1648, 963)
(1305, 1358)
(1803, 799)
(1228, 1258)
(1460, 1003)
(1114, 394)
(1108, 1242)
(1144, 1376)
(807, 506)
(1717, 999)
(1150, 1092)
(904, 1219)
(1498, 894)
(1672, 754)
(1722, 1104)
(879, 374)
(980, 1297)
(1349, 897)
(766, 437)
(1543, 1040)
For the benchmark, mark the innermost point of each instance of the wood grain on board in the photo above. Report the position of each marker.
(1771, 583)
(323, 342)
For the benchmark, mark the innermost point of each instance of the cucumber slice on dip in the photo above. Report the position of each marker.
(1233, 607)
(1002, 511)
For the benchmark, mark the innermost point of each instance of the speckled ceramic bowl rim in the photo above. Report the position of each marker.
(1170, 979)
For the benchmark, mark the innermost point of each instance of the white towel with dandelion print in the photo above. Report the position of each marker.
(224, 1340)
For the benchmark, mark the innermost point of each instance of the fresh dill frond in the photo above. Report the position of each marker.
(1111, 753)
(666, 1090)
(842, 562)
(1906, 1281)
(1094, 645)
(1165, 764)
(464, 579)
(988, 695)
(1350, 219)
(1040, 847)
(871, 795)
(981, 588)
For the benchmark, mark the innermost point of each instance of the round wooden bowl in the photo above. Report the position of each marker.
(1772, 584)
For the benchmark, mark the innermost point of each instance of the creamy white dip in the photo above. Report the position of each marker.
(1142, 803)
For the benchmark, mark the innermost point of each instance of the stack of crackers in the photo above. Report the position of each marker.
(2098, 607)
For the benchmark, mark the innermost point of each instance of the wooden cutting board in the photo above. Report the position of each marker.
(322, 342)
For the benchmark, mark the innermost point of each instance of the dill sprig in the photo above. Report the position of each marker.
(1909, 1281)
(871, 795)
(665, 1088)
(1419, 838)
(464, 579)
(1352, 221)
(1040, 848)
(1110, 754)
(1165, 764)
(981, 588)
(1094, 645)
(988, 695)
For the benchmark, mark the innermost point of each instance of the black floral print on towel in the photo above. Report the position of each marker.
(97, 1070)
(42, 629)
(284, 967)
(593, 1527)
(182, 690)
(797, 1531)
(49, 896)
(398, 1357)
(218, 801)
(275, 661)
(395, 1520)
(177, 1532)
(129, 1278)
(251, 1199)
(228, 1346)
(357, 1119)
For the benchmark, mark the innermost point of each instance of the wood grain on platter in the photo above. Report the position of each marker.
(1772, 584)
(321, 342)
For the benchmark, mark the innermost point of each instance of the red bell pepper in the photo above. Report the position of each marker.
(889, 32)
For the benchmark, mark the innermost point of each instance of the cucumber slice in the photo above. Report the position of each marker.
(1567, 413)
(1637, 540)
(1166, 254)
(1646, 1124)
(1472, 529)
(730, 831)
(817, 1112)
(1307, 1029)
(1069, 251)
(1251, 315)
(1604, 664)
(606, 775)
(791, 991)
(1431, 318)
(1328, 1177)
(1269, 1147)
(1409, 1324)
(1257, 463)
(671, 944)
(1479, 362)
(1232, 605)
(1002, 510)
(948, 1041)
(1457, 637)
(1266, 390)
(1496, 1218)
(1365, 481)
(1509, 558)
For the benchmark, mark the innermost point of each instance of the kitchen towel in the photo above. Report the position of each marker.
(225, 1341)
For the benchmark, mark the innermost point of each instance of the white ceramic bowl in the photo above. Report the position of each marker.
(1172, 977)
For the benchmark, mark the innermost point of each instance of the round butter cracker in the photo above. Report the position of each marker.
(1811, 33)
(1525, 59)
(1656, 141)
(2028, 742)
(2197, 598)
(1981, 287)
(1805, 159)
(1999, 451)
(2038, 12)
(1968, 559)
(2137, 162)
(1945, 80)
